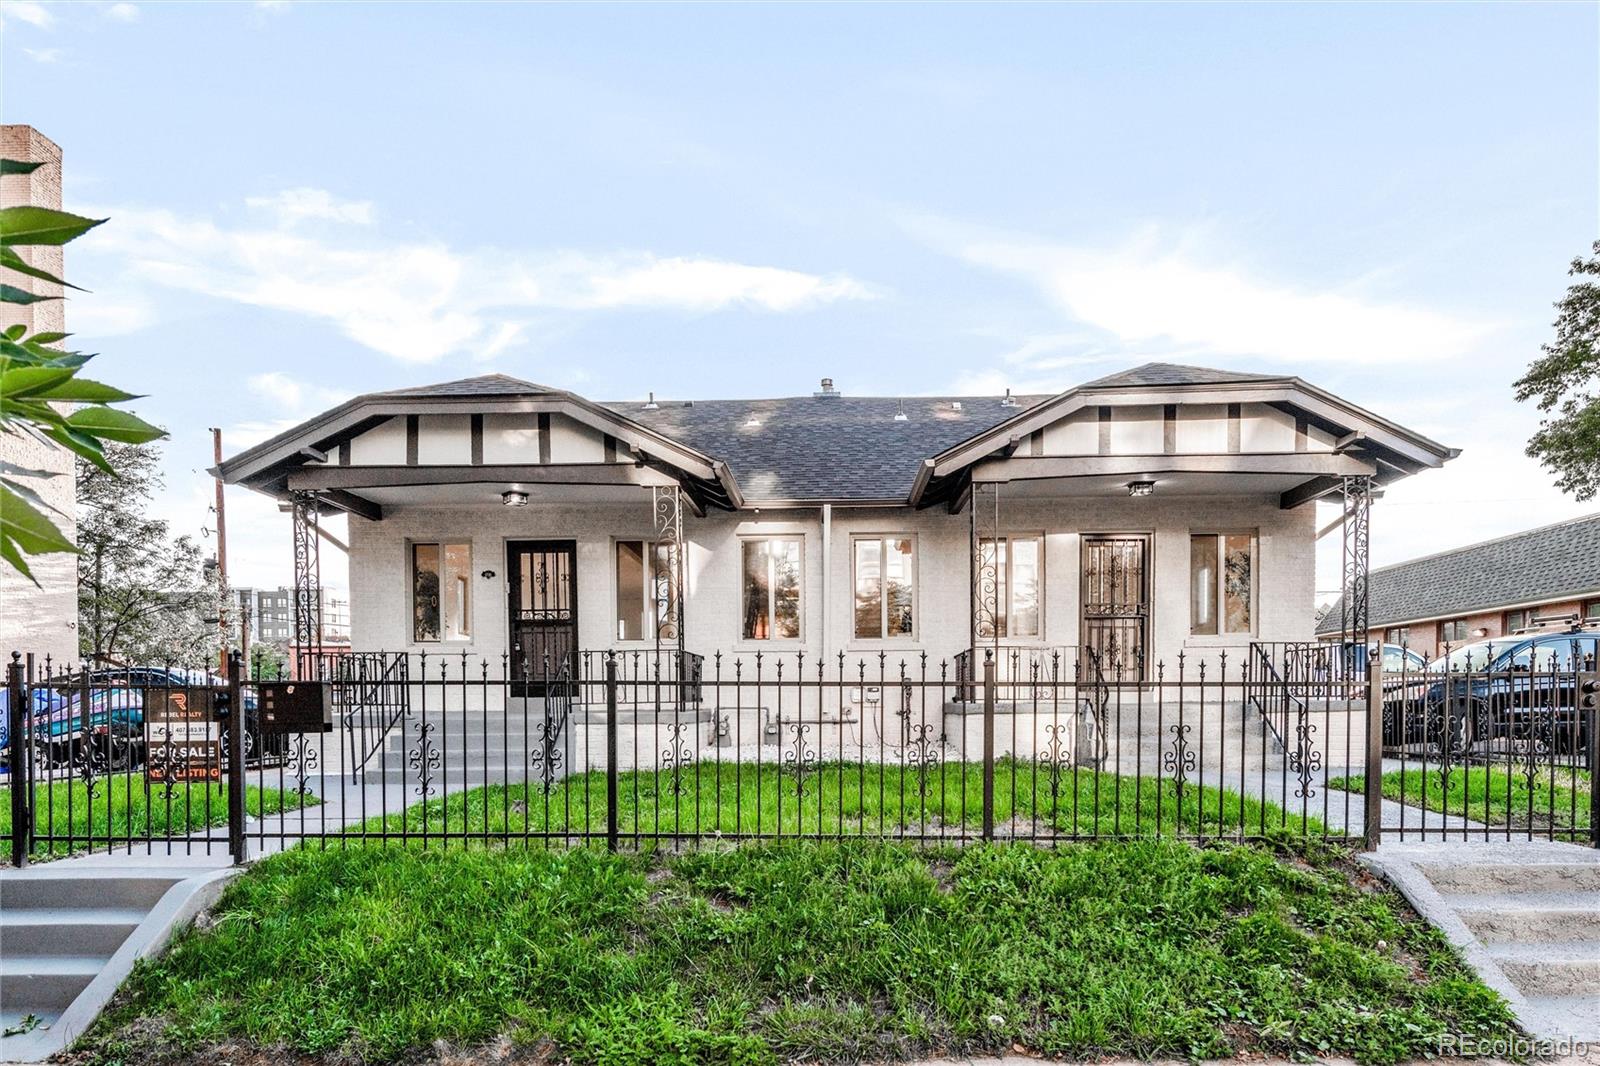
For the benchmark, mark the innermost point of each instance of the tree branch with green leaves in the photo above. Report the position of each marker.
(1565, 382)
(42, 394)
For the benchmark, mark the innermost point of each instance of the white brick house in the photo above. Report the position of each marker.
(1162, 510)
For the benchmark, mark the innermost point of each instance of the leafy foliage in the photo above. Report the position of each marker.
(1566, 381)
(41, 394)
(143, 595)
(833, 952)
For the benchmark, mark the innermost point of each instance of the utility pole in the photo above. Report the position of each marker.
(222, 551)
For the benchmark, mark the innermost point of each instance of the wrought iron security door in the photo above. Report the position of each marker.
(1116, 603)
(544, 613)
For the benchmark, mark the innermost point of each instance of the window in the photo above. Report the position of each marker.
(1018, 563)
(642, 597)
(441, 583)
(772, 589)
(1400, 635)
(1454, 631)
(1221, 583)
(885, 579)
(1516, 621)
(1591, 611)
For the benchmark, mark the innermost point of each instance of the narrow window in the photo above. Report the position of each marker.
(1018, 593)
(884, 587)
(441, 590)
(1516, 621)
(772, 589)
(644, 588)
(1221, 583)
(1453, 631)
(1400, 635)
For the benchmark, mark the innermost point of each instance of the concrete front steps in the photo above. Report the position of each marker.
(71, 931)
(1525, 914)
(1540, 923)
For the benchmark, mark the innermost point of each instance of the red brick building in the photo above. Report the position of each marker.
(1540, 580)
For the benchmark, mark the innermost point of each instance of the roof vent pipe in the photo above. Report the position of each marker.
(827, 388)
(650, 404)
(1009, 401)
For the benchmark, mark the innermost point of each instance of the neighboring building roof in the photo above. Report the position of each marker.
(847, 448)
(1541, 565)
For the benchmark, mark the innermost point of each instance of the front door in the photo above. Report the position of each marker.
(1116, 603)
(544, 613)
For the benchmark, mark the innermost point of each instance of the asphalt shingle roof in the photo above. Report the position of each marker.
(485, 385)
(825, 447)
(1159, 374)
(1548, 563)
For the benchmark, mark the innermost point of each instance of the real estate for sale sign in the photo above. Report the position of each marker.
(180, 729)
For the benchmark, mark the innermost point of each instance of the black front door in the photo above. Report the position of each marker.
(1116, 603)
(544, 613)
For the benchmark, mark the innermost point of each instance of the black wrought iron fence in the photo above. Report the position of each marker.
(650, 748)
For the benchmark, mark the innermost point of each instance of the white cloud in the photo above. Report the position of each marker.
(34, 14)
(123, 12)
(1149, 293)
(421, 301)
(275, 6)
(291, 396)
(296, 205)
(44, 55)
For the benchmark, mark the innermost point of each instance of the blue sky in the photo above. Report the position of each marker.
(314, 200)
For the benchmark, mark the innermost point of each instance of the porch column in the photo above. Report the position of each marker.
(986, 577)
(666, 504)
(307, 583)
(1356, 569)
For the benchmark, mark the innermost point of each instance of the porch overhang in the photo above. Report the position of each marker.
(314, 456)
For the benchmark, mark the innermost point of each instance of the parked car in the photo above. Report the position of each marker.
(117, 697)
(1522, 688)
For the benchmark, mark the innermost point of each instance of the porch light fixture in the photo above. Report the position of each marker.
(1141, 488)
(513, 498)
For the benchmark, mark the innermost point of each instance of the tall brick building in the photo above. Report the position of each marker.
(1540, 580)
(42, 619)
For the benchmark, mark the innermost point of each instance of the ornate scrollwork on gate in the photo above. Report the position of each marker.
(1056, 758)
(305, 759)
(549, 755)
(922, 755)
(1178, 761)
(425, 759)
(1305, 760)
(800, 756)
(678, 754)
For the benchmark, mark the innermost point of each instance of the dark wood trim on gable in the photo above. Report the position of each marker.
(1105, 430)
(344, 453)
(1036, 442)
(1235, 430)
(544, 436)
(611, 448)
(477, 440)
(413, 432)
(1169, 428)
(1302, 434)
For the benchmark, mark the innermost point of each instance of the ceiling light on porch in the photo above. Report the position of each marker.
(513, 498)
(1141, 488)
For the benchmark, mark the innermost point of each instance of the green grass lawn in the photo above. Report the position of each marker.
(849, 799)
(1557, 797)
(126, 805)
(789, 951)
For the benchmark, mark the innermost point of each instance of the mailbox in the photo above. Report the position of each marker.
(296, 707)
